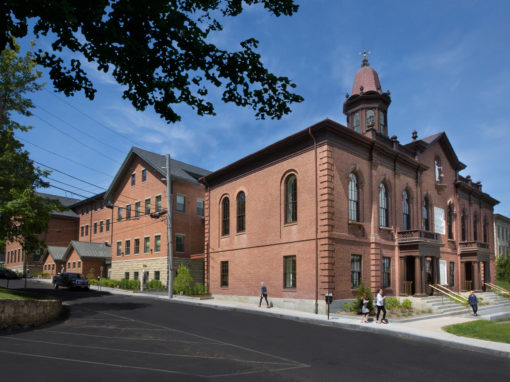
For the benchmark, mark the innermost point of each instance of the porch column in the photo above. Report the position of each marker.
(487, 266)
(402, 275)
(476, 276)
(418, 276)
(462, 280)
(435, 270)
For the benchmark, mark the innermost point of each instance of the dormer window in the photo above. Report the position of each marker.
(370, 117)
(382, 123)
(438, 171)
(356, 122)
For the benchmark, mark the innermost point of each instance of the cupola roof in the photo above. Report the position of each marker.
(366, 79)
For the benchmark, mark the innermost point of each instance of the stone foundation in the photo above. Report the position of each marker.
(28, 312)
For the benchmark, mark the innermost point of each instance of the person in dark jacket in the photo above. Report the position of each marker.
(473, 301)
(263, 294)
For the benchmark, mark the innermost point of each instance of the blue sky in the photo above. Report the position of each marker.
(446, 64)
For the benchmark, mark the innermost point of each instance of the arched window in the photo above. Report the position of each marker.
(485, 230)
(426, 214)
(356, 123)
(406, 215)
(383, 206)
(353, 198)
(463, 223)
(438, 170)
(382, 123)
(370, 116)
(449, 221)
(225, 216)
(241, 210)
(291, 199)
(475, 227)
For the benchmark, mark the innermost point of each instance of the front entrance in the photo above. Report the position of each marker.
(468, 279)
(409, 284)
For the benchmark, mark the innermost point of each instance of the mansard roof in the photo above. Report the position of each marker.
(179, 170)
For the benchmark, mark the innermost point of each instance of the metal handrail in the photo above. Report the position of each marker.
(449, 291)
(498, 288)
(450, 294)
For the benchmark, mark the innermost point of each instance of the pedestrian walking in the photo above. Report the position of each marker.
(379, 302)
(364, 309)
(473, 301)
(263, 294)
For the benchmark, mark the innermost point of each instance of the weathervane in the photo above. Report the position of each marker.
(365, 54)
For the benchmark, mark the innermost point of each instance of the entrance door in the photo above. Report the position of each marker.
(409, 276)
(442, 272)
(468, 284)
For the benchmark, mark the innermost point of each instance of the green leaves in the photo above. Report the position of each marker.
(154, 48)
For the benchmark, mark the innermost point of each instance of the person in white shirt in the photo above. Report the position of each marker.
(379, 302)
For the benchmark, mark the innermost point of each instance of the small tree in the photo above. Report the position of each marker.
(91, 274)
(503, 268)
(360, 291)
(183, 282)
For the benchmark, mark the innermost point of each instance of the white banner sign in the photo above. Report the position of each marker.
(439, 220)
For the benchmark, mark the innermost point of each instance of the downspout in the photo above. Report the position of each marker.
(207, 247)
(316, 224)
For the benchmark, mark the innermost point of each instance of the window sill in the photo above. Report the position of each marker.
(356, 223)
(289, 290)
(290, 224)
(240, 233)
(387, 229)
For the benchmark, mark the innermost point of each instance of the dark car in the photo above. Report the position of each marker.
(8, 274)
(70, 280)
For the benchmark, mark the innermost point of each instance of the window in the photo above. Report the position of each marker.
(136, 249)
(355, 270)
(486, 230)
(135, 275)
(107, 225)
(451, 281)
(79, 264)
(181, 200)
(69, 265)
(383, 206)
(291, 199)
(406, 215)
(241, 206)
(95, 228)
(382, 123)
(225, 216)
(353, 198)
(156, 275)
(386, 272)
(438, 170)
(127, 250)
(224, 274)
(355, 122)
(463, 225)
(137, 209)
(449, 221)
(147, 206)
(475, 227)
(128, 211)
(200, 207)
(87, 230)
(158, 203)
(74, 264)
(101, 226)
(81, 230)
(426, 218)
(144, 175)
(126, 275)
(133, 179)
(146, 244)
(179, 243)
(157, 243)
(370, 115)
(119, 248)
(119, 216)
(289, 271)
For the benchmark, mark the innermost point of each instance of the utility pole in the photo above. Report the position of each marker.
(169, 220)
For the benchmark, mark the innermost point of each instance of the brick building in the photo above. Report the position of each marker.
(54, 260)
(89, 259)
(332, 205)
(501, 235)
(63, 228)
(137, 196)
(95, 219)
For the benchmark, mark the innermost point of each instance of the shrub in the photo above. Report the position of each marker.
(129, 284)
(91, 274)
(93, 282)
(183, 282)
(363, 290)
(350, 307)
(392, 303)
(407, 304)
(198, 290)
(155, 285)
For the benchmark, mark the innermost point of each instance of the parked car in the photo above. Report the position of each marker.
(70, 280)
(8, 274)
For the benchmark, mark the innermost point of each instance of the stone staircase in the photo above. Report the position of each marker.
(494, 298)
(443, 305)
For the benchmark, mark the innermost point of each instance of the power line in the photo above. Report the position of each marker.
(89, 117)
(77, 140)
(70, 185)
(63, 157)
(71, 192)
(71, 176)
(78, 129)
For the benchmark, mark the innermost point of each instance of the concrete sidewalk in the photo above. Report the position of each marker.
(426, 329)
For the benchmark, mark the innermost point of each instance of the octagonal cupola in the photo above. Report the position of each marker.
(367, 107)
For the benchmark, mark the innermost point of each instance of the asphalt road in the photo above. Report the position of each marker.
(121, 338)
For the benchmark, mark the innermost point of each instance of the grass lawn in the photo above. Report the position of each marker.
(503, 284)
(498, 331)
(15, 294)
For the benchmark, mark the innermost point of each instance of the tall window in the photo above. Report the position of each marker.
(386, 272)
(128, 211)
(107, 225)
(119, 248)
(133, 179)
(241, 208)
(289, 271)
(370, 115)
(101, 225)
(426, 213)
(137, 209)
(486, 230)
(82, 228)
(355, 270)
(157, 243)
(353, 198)
(449, 221)
(382, 123)
(156, 275)
(406, 214)
(463, 226)
(438, 170)
(119, 216)
(224, 274)
(128, 247)
(179, 243)
(225, 217)
(95, 228)
(181, 203)
(87, 230)
(144, 175)
(136, 249)
(475, 227)
(147, 206)
(146, 244)
(356, 123)
(383, 206)
(291, 199)
(158, 203)
(451, 281)
(200, 207)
